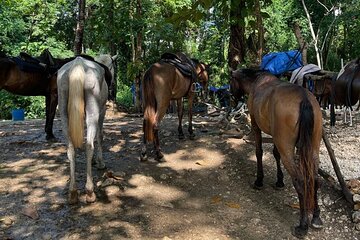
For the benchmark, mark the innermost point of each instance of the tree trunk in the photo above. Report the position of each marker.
(302, 43)
(237, 45)
(79, 33)
(113, 86)
(315, 38)
(138, 51)
(260, 27)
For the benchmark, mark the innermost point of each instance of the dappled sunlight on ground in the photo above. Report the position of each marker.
(204, 190)
(148, 190)
(200, 159)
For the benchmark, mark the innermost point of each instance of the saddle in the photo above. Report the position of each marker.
(42, 64)
(184, 64)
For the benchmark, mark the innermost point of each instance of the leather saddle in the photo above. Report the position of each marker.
(184, 64)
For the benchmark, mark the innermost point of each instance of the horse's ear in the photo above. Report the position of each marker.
(114, 57)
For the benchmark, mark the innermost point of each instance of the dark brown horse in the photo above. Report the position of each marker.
(345, 90)
(292, 116)
(38, 82)
(164, 82)
(36, 78)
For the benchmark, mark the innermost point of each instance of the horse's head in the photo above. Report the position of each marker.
(236, 84)
(46, 57)
(202, 74)
(108, 61)
(244, 80)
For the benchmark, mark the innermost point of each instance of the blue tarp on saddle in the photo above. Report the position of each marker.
(279, 62)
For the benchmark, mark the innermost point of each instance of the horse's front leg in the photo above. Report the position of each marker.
(143, 154)
(91, 133)
(73, 194)
(99, 138)
(190, 103)
(180, 111)
(259, 153)
(159, 154)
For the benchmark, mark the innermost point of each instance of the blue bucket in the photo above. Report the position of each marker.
(17, 114)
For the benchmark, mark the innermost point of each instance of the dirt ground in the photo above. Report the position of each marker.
(203, 190)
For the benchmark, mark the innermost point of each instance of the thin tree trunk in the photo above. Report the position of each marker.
(315, 38)
(79, 33)
(237, 47)
(302, 43)
(260, 27)
(113, 86)
(138, 52)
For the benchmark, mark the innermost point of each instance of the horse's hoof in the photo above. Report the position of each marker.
(258, 185)
(51, 138)
(317, 223)
(181, 137)
(299, 232)
(100, 165)
(73, 197)
(279, 186)
(192, 136)
(143, 158)
(160, 160)
(160, 157)
(90, 197)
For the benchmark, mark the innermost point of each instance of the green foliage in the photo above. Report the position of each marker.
(200, 28)
(34, 106)
(124, 96)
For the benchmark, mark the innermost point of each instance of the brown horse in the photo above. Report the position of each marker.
(38, 82)
(164, 82)
(292, 116)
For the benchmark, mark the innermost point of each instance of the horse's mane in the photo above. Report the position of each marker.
(254, 73)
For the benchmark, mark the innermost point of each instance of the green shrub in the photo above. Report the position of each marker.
(124, 96)
(34, 106)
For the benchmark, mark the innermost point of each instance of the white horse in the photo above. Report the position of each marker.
(82, 93)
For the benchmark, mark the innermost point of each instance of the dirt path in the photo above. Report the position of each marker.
(202, 191)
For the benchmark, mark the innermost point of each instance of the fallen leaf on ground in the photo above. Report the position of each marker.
(201, 162)
(232, 205)
(31, 212)
(216, 199)
(294, 205)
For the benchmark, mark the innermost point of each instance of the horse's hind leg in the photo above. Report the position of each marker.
(51, 103)
(73, 194)
(301, 230)
(316, 221)
(180, 111)
(280, 176)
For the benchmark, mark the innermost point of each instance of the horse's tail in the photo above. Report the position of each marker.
(76, 105)
(305, 147)
(149, 102)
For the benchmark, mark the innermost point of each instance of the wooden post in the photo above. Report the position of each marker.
(345, 190)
